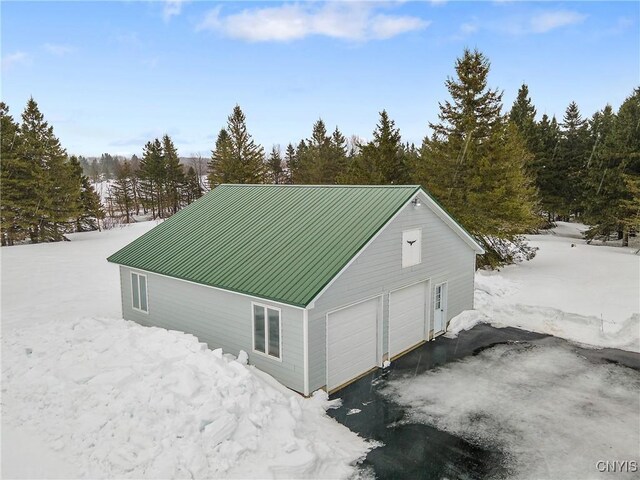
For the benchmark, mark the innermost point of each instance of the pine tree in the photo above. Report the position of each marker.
(314, 157)
(291, 162)
(573, 152)
(474, 165)
(549, 181)
(612, 203)
(174, 180)
(17, 180)
(523, 115)
(152, 175)
(274, 167)
(382, 160)
(57, 194)
(236, 158)
(122, 193)
(193, 187)
(91, 211)
(338, 160)
(222, 167)
(627, 137)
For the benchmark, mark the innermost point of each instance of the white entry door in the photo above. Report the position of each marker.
(407, 318)
(352, 342)
(440, 308)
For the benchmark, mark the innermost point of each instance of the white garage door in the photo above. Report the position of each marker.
(407, 317)
(352, 339)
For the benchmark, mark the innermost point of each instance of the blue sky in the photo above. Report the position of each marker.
(110, 76)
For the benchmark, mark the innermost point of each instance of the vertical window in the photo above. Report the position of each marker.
(259, 332)
(266, 330)
(411, 247)
(139, 292)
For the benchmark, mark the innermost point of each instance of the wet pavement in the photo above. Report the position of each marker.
(419, 451)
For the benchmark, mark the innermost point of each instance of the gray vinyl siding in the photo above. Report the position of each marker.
(219, 318)
(378, 270)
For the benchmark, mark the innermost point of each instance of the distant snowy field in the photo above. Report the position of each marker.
(86, 394)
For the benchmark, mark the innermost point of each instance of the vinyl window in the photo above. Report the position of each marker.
(139, 292)
(266, 330)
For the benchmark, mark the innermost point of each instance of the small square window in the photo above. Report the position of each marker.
(411, 247)
(266, 330)
(139, 292)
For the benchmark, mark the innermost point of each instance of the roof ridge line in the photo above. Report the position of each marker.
(314, 185)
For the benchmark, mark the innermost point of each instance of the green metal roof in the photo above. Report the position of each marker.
(278, 242)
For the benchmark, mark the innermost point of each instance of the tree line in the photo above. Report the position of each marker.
(44, 191)
(500, 174)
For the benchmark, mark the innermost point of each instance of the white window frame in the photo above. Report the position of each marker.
(266, 331)
(419, 230)
(146, 291)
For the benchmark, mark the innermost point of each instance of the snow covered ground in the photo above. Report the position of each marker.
(586, 293)
(553, 413)
(86, 394)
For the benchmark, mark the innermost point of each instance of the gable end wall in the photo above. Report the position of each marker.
(378, 270)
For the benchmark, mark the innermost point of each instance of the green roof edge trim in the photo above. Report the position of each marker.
(364, 244)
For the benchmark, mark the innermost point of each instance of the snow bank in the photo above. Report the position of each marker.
(585, 293)
(88, 395)
(115, 399)
(552, 412)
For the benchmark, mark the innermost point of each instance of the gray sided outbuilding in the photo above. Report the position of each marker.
(399, 285)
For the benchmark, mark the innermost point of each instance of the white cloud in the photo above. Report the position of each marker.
(546, 21)
(348, 21)
(172, 8)
(58, 49)
(469, 28)
(17, 58)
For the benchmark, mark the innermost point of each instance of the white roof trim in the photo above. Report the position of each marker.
(455, 226)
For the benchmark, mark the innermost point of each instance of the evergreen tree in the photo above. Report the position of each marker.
(338, 160)
(383, 159)
(275, 169)
(91, 211)
(236, 158)
(18, 182)
(222, 167)
(523, 115)
(474, 164)
(314, 157)
(291, 162)
(573, 152)
(193, 187)
(174, 180)
(612, 181)
(122, 191)
(545, 166)
(299, 169)
(152, 176)
(57, 192)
